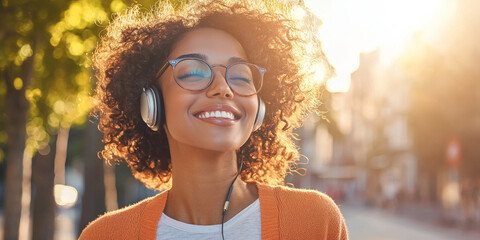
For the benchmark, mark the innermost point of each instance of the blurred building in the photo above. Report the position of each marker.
(371, 155)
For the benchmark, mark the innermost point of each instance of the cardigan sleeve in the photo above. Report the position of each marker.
(137, 221)
(337, 228)
(309, 214)
(120, 224)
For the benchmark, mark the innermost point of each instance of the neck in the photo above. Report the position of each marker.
(200, 183)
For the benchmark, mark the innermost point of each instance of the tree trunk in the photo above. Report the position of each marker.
(43, 200)
(93, 199)
(17, 108)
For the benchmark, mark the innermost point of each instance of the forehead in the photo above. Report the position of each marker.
(217, 45)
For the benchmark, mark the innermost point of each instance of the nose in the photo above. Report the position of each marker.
(219, 86)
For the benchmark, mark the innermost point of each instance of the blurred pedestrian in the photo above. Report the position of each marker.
(390, 193)
(195, 96)
(467, 202)
(476, 200)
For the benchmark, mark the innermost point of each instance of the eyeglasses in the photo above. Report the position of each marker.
(245, 79)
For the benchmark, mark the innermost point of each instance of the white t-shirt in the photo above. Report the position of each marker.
(245, 225)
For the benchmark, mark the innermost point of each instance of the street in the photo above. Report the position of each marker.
(374, 224)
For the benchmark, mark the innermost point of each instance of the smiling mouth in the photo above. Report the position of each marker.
(216, 114)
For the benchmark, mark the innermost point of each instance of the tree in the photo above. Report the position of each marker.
(93, 199)
(45, 84)
(45, 71)
(22, 40)
(43, 200)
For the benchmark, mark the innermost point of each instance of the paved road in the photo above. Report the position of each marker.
(374, 224)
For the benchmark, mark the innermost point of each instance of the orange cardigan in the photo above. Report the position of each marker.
(286, 213)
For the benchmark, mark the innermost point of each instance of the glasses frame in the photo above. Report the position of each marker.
(174, 62)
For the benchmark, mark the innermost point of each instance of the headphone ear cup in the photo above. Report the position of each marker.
(160, 108)
(260, 114)
(151, 108)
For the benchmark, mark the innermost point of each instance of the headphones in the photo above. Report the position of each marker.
(152, 109)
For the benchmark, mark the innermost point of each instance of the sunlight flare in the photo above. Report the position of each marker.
(351, 27)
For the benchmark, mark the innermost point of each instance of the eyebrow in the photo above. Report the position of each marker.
(204, 57)
(236, 60)
(194, 55)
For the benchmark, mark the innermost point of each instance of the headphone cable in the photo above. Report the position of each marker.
(227, 200)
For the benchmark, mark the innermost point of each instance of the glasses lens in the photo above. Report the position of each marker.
(244, 78)
(192, 74)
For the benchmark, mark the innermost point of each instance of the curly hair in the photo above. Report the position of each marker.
(136, 43)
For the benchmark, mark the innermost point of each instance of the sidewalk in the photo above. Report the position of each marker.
(434, 215)
(425, 214)
(371, 223)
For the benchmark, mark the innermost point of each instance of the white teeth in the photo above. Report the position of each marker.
(217, 114)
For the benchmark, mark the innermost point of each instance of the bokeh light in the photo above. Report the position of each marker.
(65, 196)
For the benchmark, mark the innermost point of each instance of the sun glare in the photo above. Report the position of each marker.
(339, 84)
(351, 27)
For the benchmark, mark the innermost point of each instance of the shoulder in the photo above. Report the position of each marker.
(312, 200)
(118, 224)
(306, 212)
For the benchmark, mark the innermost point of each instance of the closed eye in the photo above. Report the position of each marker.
(198, 74)
(241, 79)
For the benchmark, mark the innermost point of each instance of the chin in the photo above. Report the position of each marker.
(217, 140)
(220, 146)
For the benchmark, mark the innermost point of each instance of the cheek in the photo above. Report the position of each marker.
(176, 108)
(250, 107)
(173, 101)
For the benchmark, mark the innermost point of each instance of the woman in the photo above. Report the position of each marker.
(193, 97)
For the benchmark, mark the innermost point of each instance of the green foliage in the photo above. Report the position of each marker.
(23, 30)
(59, 36)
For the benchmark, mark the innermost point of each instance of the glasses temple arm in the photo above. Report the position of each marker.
(161, 70)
